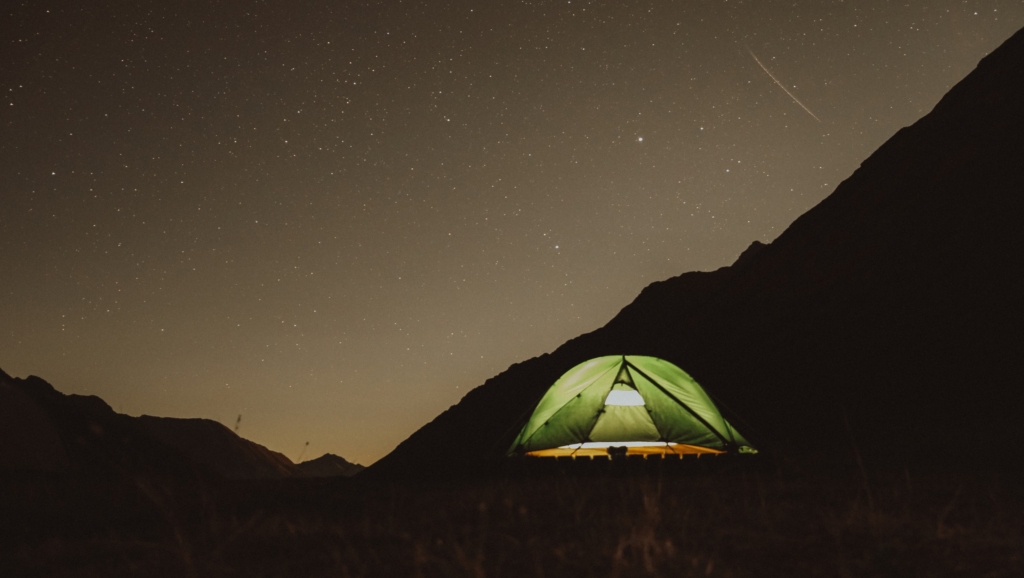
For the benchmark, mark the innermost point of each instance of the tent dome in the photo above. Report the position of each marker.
(626, 404)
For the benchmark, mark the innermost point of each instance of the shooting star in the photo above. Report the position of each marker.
(795, 99)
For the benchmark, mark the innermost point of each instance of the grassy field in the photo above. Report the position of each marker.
(738, 523)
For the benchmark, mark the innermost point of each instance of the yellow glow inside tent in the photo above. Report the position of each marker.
(591, 449)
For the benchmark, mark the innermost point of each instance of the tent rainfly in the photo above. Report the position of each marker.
(626, 405)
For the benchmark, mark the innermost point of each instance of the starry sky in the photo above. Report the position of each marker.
(336, 218)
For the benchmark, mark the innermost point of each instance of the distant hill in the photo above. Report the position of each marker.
(329, 465)
(888, 318)
(44, 430)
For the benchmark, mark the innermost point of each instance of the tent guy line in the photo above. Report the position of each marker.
(795, 99)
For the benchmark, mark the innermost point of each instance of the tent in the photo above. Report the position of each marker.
(626, 405)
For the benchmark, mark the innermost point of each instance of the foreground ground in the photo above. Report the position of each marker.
(768, 522)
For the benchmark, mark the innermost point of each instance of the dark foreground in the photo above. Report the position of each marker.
(697, 523)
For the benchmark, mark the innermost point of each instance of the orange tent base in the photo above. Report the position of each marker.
(652, 450)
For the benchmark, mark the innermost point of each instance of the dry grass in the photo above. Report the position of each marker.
(738, 524)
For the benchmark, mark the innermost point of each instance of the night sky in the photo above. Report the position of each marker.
(336, 218)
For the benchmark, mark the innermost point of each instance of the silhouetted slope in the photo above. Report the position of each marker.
(96, 440)
(893, 306)
(112, 473)
(30, 441)
(43, 430)
(212, 444)
(329, 466)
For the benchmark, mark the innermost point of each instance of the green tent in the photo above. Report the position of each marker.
(626, 404)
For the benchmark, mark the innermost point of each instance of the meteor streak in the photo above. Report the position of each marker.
(795, 99)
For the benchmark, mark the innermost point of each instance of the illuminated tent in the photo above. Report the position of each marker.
(626, 404)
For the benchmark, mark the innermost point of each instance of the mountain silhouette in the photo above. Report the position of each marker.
(43, 430)
(31, 441)
(328, 466)
(82, 435)
(886, 320)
